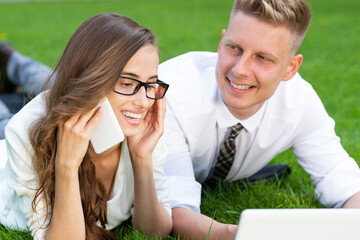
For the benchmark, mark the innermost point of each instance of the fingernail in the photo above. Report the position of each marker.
(101, 109)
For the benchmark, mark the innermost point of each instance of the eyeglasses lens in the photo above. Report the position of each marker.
(130, 87)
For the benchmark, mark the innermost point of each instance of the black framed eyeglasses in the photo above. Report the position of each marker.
(130, 86)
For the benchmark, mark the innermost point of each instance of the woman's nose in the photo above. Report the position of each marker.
(140, 98)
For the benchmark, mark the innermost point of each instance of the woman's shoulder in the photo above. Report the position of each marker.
(22, 120)
(17, 130)
(21, 174)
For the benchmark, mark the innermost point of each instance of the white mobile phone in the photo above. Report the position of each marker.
(107, 132)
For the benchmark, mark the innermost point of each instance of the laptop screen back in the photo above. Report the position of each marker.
(299, 224)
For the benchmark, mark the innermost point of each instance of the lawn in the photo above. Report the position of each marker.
(331, 64)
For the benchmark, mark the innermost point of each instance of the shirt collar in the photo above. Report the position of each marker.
(225, 119)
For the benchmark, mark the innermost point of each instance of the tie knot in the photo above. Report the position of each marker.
(235, 130)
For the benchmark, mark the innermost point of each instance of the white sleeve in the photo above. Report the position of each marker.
(319, 151)
(22, 180)
(160, 178)
(185, 191)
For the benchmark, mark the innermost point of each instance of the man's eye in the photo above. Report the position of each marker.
(232, 47)
(264, 59)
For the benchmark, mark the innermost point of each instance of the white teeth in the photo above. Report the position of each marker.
(241, 87)
(132, 115)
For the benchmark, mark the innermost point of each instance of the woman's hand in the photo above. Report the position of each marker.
(73, 138)
(149, 215)
(143, 144)
(67, 220)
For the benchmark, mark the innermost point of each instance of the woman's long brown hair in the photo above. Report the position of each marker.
(86, 72)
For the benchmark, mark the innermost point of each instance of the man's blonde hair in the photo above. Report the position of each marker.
(293, 14)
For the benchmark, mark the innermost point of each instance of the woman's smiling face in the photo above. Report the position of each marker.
(130, 110)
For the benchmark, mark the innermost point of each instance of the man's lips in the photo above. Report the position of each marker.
(241, 86)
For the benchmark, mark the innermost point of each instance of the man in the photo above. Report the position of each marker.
(249, 95)
(253, 85)
(17, 70)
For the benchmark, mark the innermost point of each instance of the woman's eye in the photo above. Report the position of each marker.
(126, 84)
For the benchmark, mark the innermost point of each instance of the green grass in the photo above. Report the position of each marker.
(331, 64)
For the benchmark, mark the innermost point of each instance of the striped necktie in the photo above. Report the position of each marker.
(226, 157)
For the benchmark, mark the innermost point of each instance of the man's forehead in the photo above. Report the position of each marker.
(268, 38)
(240, 17)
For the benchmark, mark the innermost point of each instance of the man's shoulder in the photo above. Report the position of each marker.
(187, 65)
(294, 97)
(194, 57)
(295, 89)
(192, 82)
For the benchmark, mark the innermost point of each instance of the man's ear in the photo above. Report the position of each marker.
(223, 32)
(293, 67)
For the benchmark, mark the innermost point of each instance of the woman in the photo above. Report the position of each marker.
(56, 184)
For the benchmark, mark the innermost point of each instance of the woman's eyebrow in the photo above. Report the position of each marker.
(155, 76)
(137, 76)
(130, 74)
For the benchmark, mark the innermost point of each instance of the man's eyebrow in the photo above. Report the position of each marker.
(234, 43)
(268, 54)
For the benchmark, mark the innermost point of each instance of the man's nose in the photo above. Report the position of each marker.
(242, 67)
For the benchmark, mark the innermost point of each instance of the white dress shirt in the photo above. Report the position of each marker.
(16, 189)
(197, 122)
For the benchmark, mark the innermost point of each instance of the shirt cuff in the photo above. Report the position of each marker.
(339, 185)
(185, 192)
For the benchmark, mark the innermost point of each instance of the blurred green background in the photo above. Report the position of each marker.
(331, 52)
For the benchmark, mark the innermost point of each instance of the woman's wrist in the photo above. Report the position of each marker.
(141, 164)
(66, 171)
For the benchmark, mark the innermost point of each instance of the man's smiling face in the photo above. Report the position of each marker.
(254, 57)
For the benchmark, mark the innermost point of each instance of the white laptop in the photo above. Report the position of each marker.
(299, 224)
